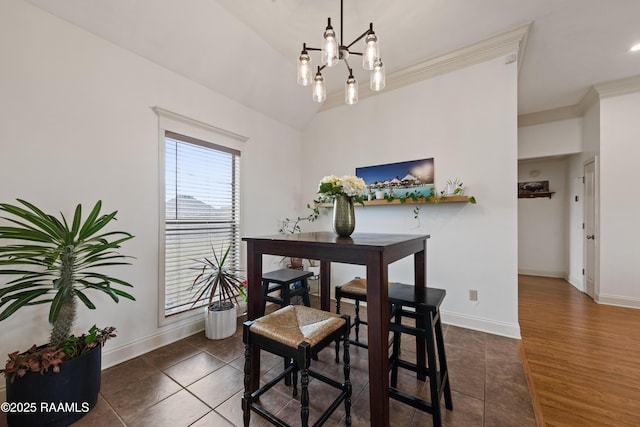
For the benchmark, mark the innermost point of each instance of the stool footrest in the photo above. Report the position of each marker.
(256, 394)
(256, 407)
(410, 400)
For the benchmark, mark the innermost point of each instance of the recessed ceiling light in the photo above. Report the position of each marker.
(635, 47)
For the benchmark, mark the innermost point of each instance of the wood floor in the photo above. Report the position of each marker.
(582, 358)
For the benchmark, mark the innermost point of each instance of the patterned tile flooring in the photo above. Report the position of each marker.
(198, 382)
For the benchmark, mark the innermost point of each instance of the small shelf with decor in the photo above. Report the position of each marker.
(409, 201)
(534, 189)
(533, 195)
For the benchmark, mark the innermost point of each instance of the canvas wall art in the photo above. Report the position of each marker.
(533, 187)
(399, 179)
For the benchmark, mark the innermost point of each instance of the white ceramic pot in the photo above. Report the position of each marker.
(220, 324)
(379, 194)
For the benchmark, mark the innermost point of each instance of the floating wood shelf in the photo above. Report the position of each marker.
(535, 195)
(435, 200)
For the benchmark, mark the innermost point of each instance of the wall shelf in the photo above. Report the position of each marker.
(421, 200)
(535, 195)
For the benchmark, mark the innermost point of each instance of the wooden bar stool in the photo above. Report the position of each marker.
(426, 302)
(296, 333)
(282, 280)
(356, 290)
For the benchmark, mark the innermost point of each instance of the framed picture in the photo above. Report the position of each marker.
(533, 187)
(414, 176)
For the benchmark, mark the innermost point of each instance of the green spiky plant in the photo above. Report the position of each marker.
(220, 279)
(57, 262)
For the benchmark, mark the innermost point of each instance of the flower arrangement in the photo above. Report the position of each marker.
(347, 185)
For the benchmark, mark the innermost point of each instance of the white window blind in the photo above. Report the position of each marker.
(201, 212)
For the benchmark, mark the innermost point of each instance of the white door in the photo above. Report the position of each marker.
(590, 226)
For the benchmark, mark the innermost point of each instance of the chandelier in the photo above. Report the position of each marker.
(332, 53)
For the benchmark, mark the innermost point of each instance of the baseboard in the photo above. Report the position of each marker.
(543, 273)
(619, 301)
(510, 330)
(167, 335)
(576, 282)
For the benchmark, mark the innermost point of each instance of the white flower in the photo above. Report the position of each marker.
(352, 185)
(347, 185)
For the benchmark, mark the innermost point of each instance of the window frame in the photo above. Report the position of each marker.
(198, 132)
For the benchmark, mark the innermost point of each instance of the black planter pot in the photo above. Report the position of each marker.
(56, 399)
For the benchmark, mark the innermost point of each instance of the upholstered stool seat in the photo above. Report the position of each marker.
(425, 304)
(296, 333)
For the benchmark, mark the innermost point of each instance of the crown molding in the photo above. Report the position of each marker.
(595, 93)
(618, 87)
(546, 116)
(510, 41)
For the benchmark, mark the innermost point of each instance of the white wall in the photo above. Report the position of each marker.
(543, 222)
(550, 139)
(619, 207)
(77, 126)
(466, 120)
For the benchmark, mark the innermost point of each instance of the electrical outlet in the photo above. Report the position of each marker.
(473, 295)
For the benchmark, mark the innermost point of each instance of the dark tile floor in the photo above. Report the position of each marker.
(198, 382)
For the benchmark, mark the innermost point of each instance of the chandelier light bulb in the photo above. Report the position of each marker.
(319, 88)
(377, 81)
(351, 90)
(371, 51)
(330, 47)
(304, 69)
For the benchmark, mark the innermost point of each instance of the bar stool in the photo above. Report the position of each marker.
(426, 302)
(356, 290)
(296, 333)
(281, 280)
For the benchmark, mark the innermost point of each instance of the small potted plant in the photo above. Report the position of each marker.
(58, 263)
(220, 284)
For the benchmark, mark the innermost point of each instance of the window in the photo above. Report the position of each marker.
(201, 181)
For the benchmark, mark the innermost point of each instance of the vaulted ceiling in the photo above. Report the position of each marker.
(246, 49)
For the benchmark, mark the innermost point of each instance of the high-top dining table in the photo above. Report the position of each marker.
(375, 251)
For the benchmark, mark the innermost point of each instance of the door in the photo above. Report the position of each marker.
(590, 227)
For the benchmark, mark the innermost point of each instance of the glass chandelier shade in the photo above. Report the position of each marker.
(333, 51)
(351, 90)
(319, 88)
(304, 69)
(371, 51)
(330, 47)
(377, 80)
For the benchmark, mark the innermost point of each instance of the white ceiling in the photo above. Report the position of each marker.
(246, 49)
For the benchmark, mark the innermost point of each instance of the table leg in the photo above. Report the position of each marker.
(378, 334)
(254, 305)
(325, 285)
(420, 275)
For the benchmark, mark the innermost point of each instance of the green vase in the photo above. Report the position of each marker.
(344, 218)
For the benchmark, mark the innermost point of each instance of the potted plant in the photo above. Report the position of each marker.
(221, 284)
(55, 262)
